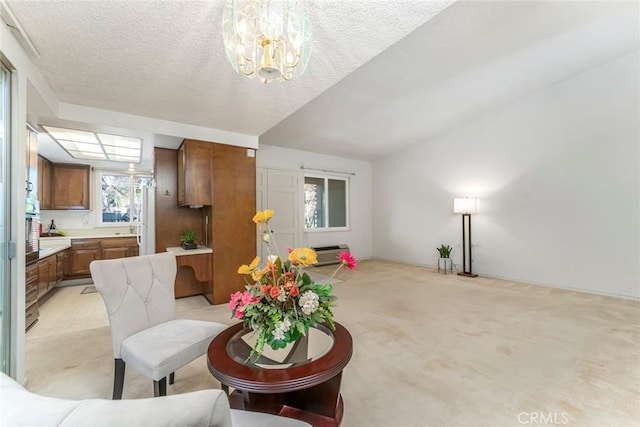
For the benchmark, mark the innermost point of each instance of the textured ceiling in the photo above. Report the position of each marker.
(165, 58)
(383, 74)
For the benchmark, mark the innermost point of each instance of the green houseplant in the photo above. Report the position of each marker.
(445, 251)
(444, 262)
(188, 239)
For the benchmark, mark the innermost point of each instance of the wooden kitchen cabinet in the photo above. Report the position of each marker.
(119, 247)
(44, 183)
(81, 254)
(84, 251)
(31, 296)
(47, 275)
(194, 173)
(62, 265)
(71, 186)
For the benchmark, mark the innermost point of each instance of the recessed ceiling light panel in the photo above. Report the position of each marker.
(96, 146)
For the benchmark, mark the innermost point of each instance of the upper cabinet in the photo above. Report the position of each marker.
(194, 173)
(44, 183)
(31, 176)
(71, 186)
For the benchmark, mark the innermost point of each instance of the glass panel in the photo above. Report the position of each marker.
(129, 152)
(71, 135)
(87, 156)
(337, 203)
(81, 146)
(318, 341)
(116, 198)
(120, 141)
(5, 283)
(124, 159)
(313, 202)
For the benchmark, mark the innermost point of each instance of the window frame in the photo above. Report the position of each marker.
(325, 201)
(98, 200)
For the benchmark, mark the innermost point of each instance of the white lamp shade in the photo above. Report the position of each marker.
(465, 205)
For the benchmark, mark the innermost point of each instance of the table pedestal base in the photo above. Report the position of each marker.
(320, 405)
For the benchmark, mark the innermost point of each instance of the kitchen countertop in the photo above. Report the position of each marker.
(51, 250)
(52, 245)
(178, 251)
(99, 235)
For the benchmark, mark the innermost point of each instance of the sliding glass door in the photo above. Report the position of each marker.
(5, 282)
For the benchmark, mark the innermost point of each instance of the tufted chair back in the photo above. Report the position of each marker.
(137, 292)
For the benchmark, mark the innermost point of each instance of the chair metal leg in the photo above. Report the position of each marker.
(118, 379)
(172, 377)
(160, 387)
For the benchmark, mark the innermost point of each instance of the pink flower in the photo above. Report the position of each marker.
(248, 298)
(294, 291)
(289, 249)
(347, 260)
(238, 314)
(234, 299)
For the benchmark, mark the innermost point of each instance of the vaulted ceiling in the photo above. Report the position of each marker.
(383, 74)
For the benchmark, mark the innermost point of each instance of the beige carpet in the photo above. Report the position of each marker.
(429, 350)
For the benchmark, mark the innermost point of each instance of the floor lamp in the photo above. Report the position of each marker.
(466, 206)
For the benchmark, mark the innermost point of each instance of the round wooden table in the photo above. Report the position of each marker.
(308, 390)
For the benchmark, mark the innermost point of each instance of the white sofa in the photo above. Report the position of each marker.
(206, 408)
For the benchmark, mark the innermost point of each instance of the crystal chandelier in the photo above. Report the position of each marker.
(267, 38)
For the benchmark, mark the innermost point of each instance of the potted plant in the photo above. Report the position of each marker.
(188, 239)
(444, 261)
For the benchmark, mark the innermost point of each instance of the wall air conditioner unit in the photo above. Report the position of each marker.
(329, 254)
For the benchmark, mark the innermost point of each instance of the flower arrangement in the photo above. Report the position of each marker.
(281, 302)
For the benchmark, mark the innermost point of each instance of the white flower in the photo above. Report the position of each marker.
(282, 296)
(281, 328)
(272, 258)
(309, 302)
(278, 334)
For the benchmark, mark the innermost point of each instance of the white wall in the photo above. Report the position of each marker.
(557, 174)
(359, 236)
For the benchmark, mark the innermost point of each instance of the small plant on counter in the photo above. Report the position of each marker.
(445, 251)
(188, 239)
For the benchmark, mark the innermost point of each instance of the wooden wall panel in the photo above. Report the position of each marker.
(233, 231)
(171, 219)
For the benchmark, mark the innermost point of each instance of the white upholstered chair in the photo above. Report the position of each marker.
(139, 296)
(204, 408)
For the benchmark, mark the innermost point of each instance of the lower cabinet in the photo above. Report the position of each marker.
(62, 265)
(84, 251)
(31, 296)
(47, 274)
(119, 247)
(81, 254)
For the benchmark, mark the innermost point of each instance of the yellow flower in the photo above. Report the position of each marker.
(304, 256)
(262, 217)
(248, 269)
(257, 275)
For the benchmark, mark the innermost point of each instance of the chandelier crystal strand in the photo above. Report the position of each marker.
(270, 39)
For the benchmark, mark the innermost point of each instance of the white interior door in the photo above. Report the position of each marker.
(278, 190)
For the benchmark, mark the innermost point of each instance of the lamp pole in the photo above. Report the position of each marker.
(466, 206)
(466, 237)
